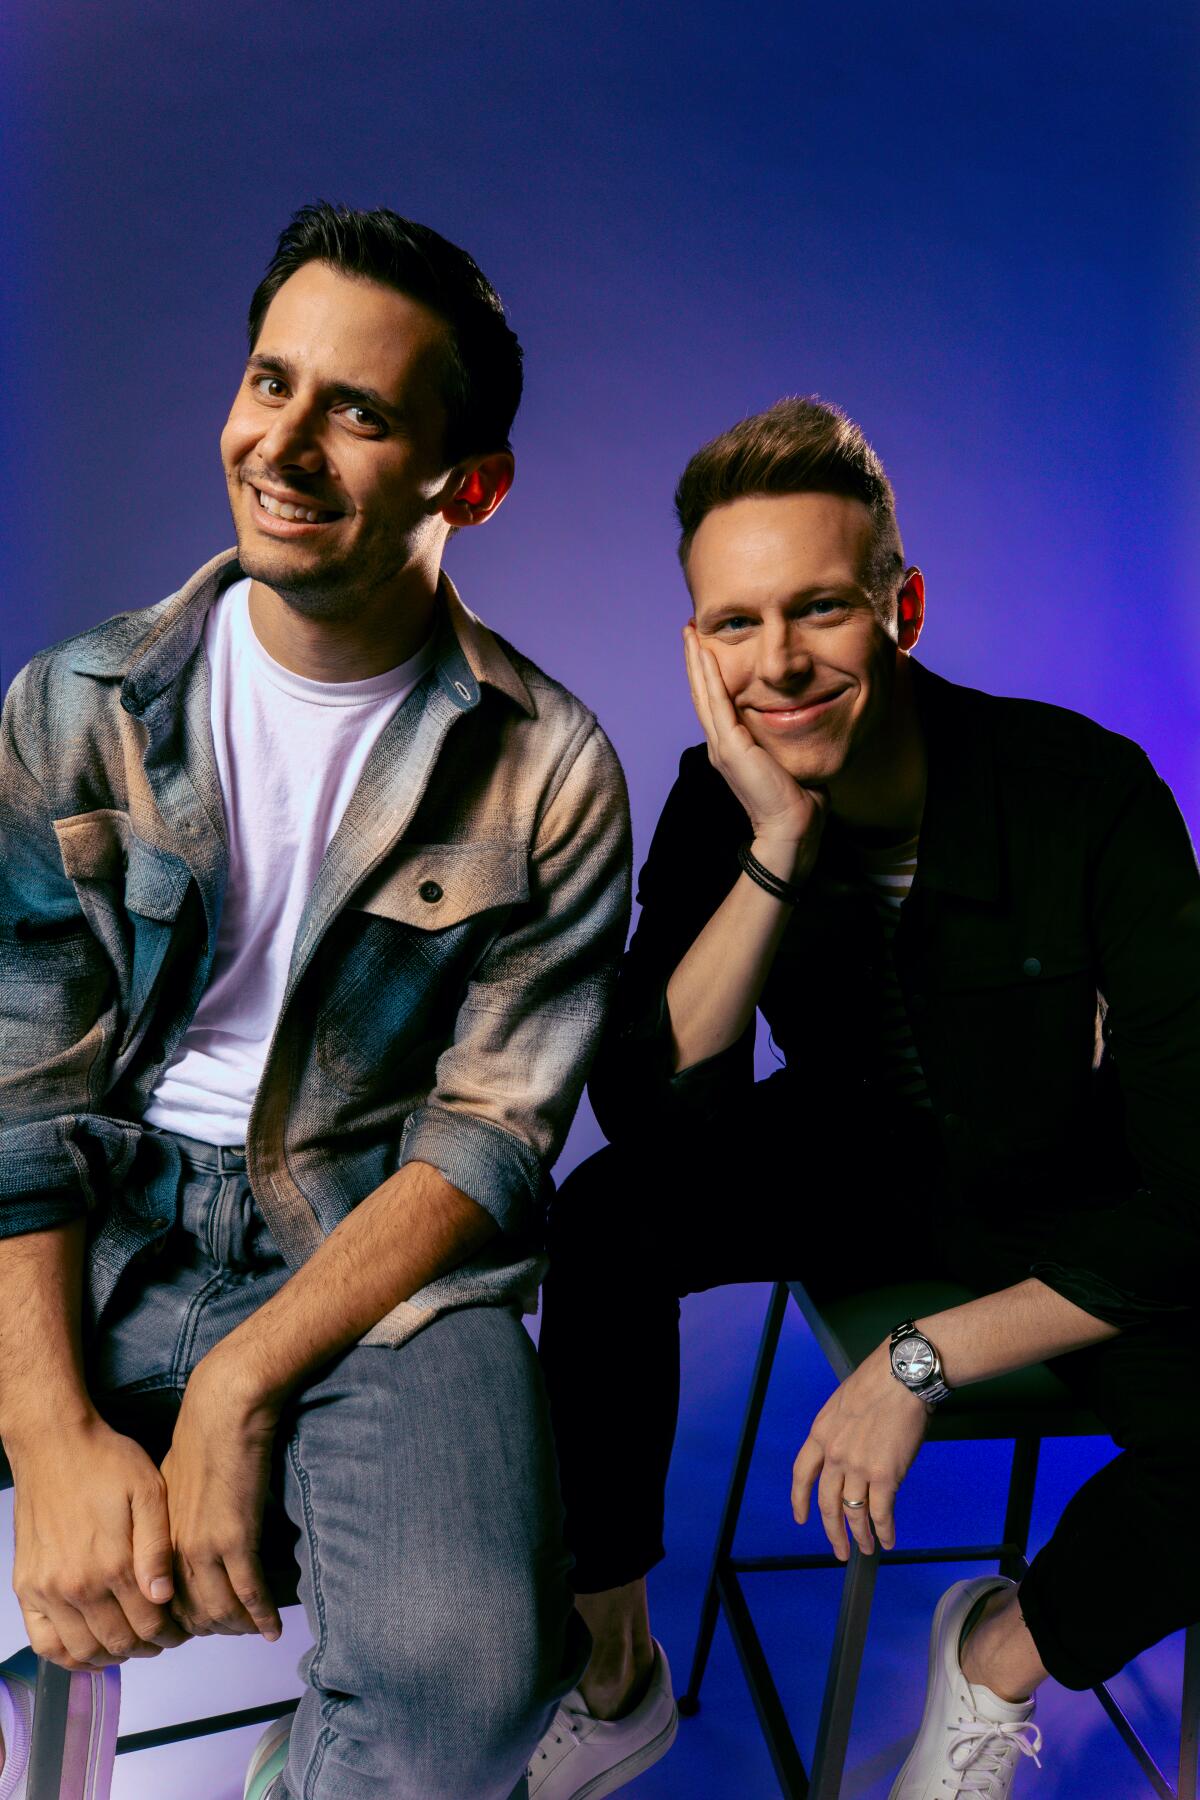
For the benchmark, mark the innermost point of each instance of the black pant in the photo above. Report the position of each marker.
(786, 1186)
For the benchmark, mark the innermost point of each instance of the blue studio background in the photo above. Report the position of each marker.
(970, 223)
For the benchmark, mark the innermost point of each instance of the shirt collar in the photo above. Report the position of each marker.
(960, 847)
(147, 655)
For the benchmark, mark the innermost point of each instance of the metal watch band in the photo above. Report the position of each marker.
(933, 1389)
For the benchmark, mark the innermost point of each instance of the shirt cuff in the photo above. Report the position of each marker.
(54, 1170)
(488, 1164)
(1129, 1262)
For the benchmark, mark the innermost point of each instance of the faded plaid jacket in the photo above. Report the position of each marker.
(448, 981)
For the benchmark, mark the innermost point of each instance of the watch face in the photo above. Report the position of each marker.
(913, 1361)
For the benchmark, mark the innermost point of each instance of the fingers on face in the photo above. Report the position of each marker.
(720, 705)
(695, 675)
(710, 697)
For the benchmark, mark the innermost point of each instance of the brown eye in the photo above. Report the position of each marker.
(364, 420)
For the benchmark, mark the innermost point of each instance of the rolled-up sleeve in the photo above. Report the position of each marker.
(1128, 1261)
(56, 1004)
(508, 1084)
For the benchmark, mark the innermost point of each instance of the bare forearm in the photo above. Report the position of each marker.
(413, 1228)
(41, 1363)
(1009, 1330)
(712, 995)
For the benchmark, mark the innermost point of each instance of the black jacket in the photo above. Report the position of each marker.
(1049, 953)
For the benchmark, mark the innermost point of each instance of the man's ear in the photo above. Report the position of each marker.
(473, 493)
(910, 609)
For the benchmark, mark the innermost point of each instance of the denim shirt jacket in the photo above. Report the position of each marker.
(447, 985)
(1049, 957)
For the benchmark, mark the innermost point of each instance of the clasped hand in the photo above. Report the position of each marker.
(216, 1475)
(116, 1558)
(860, 1447)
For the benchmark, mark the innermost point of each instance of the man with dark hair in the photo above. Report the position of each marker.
(973, 927)
(310, 894)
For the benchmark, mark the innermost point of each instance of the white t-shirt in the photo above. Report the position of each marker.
(289, 754)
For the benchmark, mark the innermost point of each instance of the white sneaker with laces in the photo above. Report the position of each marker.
(970, 1741)
(582, 1758)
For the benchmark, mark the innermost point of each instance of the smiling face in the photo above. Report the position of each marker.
(333, 449)
(807, 655)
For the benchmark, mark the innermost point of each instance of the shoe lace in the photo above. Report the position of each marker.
(564, 1722)
(985, 1753)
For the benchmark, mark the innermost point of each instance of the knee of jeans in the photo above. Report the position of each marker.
(463, 1685)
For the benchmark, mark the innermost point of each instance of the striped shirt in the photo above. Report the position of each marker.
(889, 870)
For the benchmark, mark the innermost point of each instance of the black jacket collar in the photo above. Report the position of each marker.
(961, 848)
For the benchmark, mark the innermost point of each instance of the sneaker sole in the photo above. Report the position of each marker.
(634, 1764)
(935, 1636)
(276, 1734)
(90, 1746)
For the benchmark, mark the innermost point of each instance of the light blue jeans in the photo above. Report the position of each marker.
(422, 1484)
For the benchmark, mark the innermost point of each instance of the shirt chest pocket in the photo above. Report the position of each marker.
(1025, 1017)
(396, 962)
(131, 893)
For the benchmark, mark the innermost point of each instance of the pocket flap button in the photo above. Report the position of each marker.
(1031, 966)
(430, 891)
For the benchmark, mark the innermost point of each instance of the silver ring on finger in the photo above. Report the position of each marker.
(853, 1505)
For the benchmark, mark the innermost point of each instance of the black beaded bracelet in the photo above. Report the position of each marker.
(772, 884)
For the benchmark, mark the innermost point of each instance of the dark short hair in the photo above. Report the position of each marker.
(482, 380)
(798, 446)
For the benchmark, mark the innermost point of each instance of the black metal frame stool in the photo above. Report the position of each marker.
(1026, 1407)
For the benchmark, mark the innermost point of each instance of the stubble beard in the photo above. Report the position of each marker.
(315, 596)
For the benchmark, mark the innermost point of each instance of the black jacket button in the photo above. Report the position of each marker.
(1031, 966)
(429, 890)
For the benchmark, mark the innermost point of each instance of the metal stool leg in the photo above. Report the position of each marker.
(689, 1700)
(1019, 1510)
(841, 1684)
(49, 1732)
(1190, 1720)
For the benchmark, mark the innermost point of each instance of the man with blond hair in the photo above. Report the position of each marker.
(973, 927)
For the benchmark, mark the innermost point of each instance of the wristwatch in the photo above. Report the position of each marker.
(916, 1364)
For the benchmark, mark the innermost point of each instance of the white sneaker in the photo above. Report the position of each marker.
(970, 1740)
(264, 1776)
(581, 1758)
(90, 1746)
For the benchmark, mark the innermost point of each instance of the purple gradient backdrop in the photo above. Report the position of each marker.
(973, 226)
